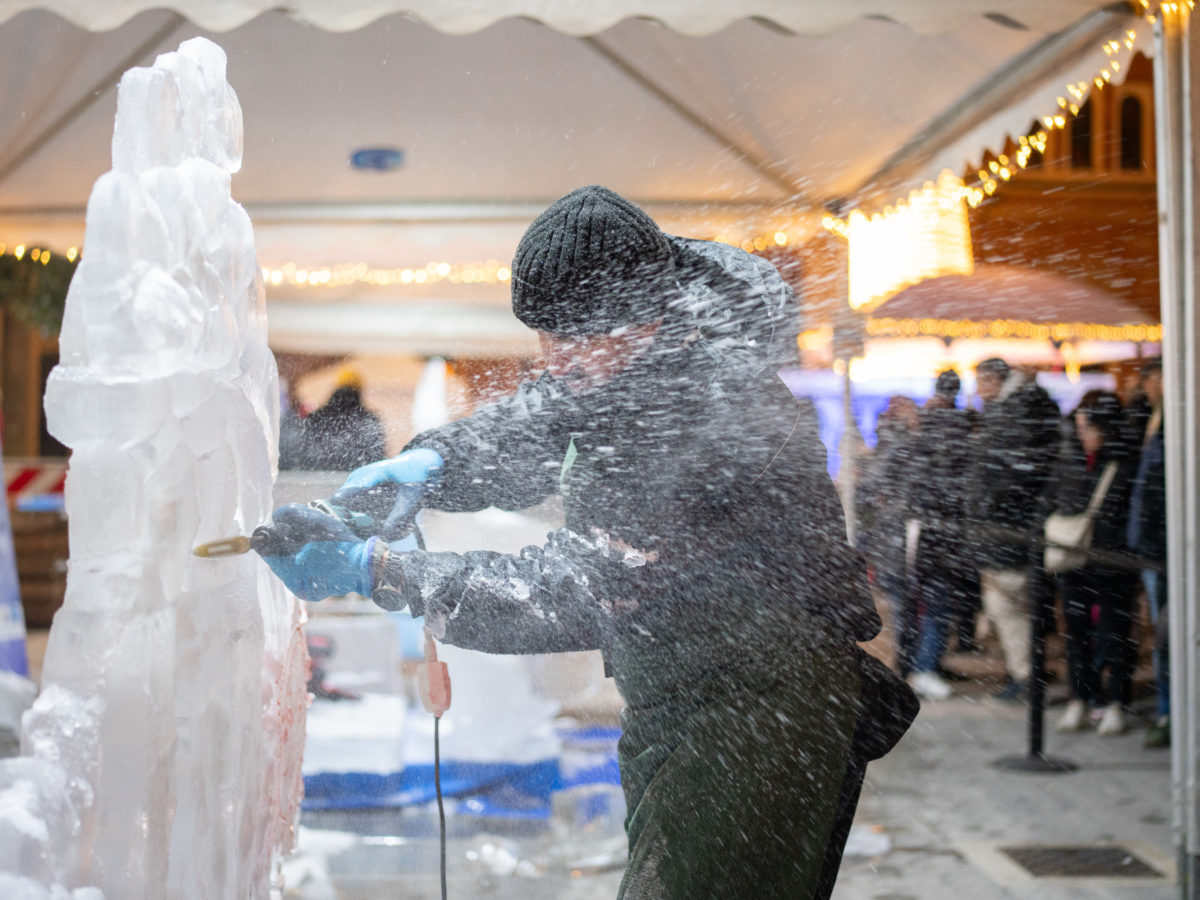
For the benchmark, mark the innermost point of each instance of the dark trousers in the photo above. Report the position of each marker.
(937, 594)
(965, 612)
(904, 605)
(1156, 597)
(1098, 610)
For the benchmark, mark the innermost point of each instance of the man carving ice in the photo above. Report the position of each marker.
(704, 552)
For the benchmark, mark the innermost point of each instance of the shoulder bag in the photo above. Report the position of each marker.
(1068, 538)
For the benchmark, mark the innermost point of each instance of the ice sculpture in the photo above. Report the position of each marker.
(430, 407)
(163, 757)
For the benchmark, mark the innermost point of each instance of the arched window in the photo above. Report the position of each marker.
(1081, 138)
(1131, 133)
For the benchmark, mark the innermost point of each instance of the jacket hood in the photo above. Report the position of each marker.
(733, 307)
(1014, 382)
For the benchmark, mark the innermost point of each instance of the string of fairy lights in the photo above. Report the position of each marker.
(1012, 328)
(887, 231)
(1003, 168)
(989, 178)
(487, 272)
(37, 254)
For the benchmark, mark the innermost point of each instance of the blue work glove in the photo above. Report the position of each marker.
(318, 556)
(417, 466)
(413, 473)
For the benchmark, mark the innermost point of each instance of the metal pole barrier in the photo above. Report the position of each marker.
(1037, 656)
(1041, 598)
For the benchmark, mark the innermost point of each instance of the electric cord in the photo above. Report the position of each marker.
(437, 784)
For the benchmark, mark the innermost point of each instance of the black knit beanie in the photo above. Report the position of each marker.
(591, 263)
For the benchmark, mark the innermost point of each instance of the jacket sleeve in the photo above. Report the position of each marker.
(540, 601)
(508, 454)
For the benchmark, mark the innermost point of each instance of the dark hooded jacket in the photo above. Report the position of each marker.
(942, 476)
(341, 435)
(1015, 450)
(885, 499)
(705, 555)
(702, 528)
(1147, 529)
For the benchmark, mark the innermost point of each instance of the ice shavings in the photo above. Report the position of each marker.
(163, 756)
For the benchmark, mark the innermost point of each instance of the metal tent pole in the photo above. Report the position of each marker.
(1175, 71)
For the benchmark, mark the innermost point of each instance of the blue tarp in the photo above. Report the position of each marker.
(511, 790)
(12, 616)
(589, 756)
(486, 789)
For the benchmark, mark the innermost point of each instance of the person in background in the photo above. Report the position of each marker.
(343, 434)
(1013, 454)
(1147, 537)
(291, 430)
(1098, 598)
(965, 607)
(940, 467)
(883, 500)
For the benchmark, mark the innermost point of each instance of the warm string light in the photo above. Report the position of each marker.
(490, 272)
(1003, 168)
(1165, 9)
(812, 339)
(757, 243)
(346, 274)
(1012, 328)
(927, 235)
(36, 254)
(840, 227)
(960, 192)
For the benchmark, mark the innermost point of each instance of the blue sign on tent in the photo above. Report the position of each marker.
(377, 159)
(12, 618)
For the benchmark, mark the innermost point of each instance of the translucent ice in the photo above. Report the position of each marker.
(162, 759)
(188, 89)
(430, 408)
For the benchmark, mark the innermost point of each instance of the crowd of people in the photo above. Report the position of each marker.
(953, 504)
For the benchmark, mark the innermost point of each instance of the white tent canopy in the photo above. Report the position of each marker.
(580, 17)
(722, 118)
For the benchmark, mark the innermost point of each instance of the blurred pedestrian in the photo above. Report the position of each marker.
(1147, 537)
(885, 509)
(291, 430)
(1013, 454)
(343, 434)
(1095, 469)
(937, 574)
